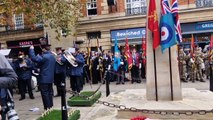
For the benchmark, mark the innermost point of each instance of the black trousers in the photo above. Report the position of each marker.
(135, 74)
(23, 85)
(143, 71)
(47, 95)
(76, 83)
(59, 78)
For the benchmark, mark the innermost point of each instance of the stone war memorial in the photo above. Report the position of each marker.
(163, 97)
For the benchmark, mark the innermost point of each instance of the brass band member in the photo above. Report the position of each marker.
(76, 72)
(23, 68)
(60, 70)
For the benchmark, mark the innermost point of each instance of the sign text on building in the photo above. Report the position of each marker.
(129, 33)
(204, 25)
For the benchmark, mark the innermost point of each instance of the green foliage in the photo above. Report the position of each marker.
(57, 14)
(84, 101)
(56, 115)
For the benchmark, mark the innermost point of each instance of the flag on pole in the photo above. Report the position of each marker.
(153, 23)
(175, 11)
(144, 50)
(128, 54)
(117, 57)
(211, 42)
(192, 45)
(168, 36)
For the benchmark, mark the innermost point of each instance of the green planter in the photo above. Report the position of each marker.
(88, 100)
(56, 115)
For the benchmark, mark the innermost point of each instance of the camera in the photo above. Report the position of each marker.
(11, 113)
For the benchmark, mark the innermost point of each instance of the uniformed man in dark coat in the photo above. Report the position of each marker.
(60, 70)
(46, 63)
(76, 73)
(95, 69)
(23, 67)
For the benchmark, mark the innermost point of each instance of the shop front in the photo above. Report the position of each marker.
(23, 46)
(201, 31)
(134, 36)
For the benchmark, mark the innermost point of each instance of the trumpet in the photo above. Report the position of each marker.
(57, 58)
(70, 58)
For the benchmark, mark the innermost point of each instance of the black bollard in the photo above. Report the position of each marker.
(63, 102)
(107, 83)
(211, 78)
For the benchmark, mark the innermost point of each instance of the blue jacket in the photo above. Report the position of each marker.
(24, 73)
(61, 68)
(77, 71)
(46, 63)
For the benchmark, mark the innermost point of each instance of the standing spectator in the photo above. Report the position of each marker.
(8, 79)
(76, 73)
(135, 67)
(46, 64)
(121, 70)
(23, 68)
(95, 69)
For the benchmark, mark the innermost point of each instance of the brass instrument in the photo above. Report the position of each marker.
(70, 58)
(57, 58)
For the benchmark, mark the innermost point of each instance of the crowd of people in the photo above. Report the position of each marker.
(195, 65)
(54, 67)
(83, 67)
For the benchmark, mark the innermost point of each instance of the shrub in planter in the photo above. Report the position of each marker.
(56, 115)
(86, 98)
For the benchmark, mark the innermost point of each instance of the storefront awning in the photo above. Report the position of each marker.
(195, 32)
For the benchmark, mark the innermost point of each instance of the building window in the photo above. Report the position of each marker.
(94, 35)
(91, 7)
(19, 21)
(135, 7)
(204, 3)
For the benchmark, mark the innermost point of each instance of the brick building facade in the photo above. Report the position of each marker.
(130, 15)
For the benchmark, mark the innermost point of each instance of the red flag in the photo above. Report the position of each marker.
(128, 54)
(211, 42)
(144, 51)
(192, 45)
(153, 23)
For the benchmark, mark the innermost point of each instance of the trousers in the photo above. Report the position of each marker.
(47, 95)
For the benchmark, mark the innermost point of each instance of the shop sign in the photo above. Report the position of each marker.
(204, 26)
(23, 43)
(129, 33)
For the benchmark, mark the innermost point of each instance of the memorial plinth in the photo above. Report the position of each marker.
(193, 100)
(163, 89)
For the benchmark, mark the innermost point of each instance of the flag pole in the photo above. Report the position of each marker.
(171, 80)
(156, 84)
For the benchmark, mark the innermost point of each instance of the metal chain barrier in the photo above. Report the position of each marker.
(145, 111)
(160, 112)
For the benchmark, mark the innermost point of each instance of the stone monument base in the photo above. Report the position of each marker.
(192, 100)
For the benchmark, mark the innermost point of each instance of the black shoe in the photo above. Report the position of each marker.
(22, 98)
(123, 83)
(184, 80)
(117, 83)
(57, 95)
(32, 97)
(202, 81)
(138, 81)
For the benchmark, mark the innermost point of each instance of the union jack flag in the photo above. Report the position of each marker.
(175, 11)
(165, 7)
